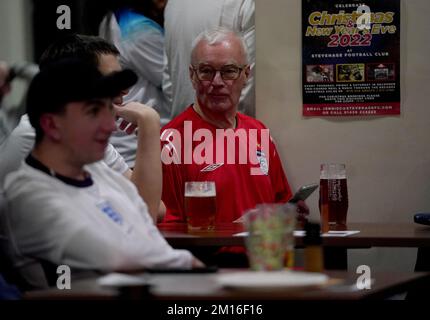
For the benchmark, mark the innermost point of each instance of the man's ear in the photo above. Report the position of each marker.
(192, 77)
(247, 71)
(50, 126)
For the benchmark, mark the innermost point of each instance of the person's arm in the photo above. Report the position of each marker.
(11, 114)
(25, 71)
(146, 174)
(161, 208)
(15, 147)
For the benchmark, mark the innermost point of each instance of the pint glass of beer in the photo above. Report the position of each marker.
(200, 204)
(333, 200)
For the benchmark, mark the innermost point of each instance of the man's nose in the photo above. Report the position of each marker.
(109, 124)
(218, 80)
(118, 100)
(124, 92)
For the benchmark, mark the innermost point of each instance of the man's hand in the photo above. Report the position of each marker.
(196, 263)
(302, 212)
(134, 115)
(161, 211)
(302, 208)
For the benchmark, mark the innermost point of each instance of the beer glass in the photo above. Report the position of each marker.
(200, 204)
(333, 200)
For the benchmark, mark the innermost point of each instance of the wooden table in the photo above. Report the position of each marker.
(370, 235)
(177, 235)
(335, 248)
(341, 286)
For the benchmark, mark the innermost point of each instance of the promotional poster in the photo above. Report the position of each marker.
(351, 57)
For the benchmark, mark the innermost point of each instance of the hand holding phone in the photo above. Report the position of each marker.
(304, 192)
(422, 218)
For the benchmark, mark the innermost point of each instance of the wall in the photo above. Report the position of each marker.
(387, 158)
(15, 37)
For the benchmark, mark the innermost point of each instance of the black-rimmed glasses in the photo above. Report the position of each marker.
(228, 72)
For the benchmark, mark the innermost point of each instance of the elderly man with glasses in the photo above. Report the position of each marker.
(211, 141)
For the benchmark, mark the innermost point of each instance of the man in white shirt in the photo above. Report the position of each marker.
(147, 169)
(64, 205)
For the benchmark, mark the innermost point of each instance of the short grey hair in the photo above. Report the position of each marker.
(215, 36)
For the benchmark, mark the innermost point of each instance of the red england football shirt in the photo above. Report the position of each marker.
(237, 189)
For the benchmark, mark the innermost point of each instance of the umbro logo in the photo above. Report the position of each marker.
(211, 167)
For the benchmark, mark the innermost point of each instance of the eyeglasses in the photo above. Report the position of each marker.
(228, 72)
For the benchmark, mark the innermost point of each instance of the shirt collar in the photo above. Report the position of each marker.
(36, 164)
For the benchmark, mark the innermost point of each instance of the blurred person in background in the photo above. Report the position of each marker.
(135, 27)
(10, 114)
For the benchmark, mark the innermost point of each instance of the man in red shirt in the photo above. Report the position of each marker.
(211, 141)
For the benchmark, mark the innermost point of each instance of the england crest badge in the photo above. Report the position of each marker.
(261, 156)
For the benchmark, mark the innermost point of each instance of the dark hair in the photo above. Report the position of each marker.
(71, 80)
(74, 46)
(86, 48)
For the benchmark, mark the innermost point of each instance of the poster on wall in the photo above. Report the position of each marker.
(351, 57)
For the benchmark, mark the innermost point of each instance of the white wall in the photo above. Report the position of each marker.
(387, 158)
(15, 22)
(15, 36)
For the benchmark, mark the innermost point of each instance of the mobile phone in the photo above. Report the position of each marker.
(422, 218)
(304, 192)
